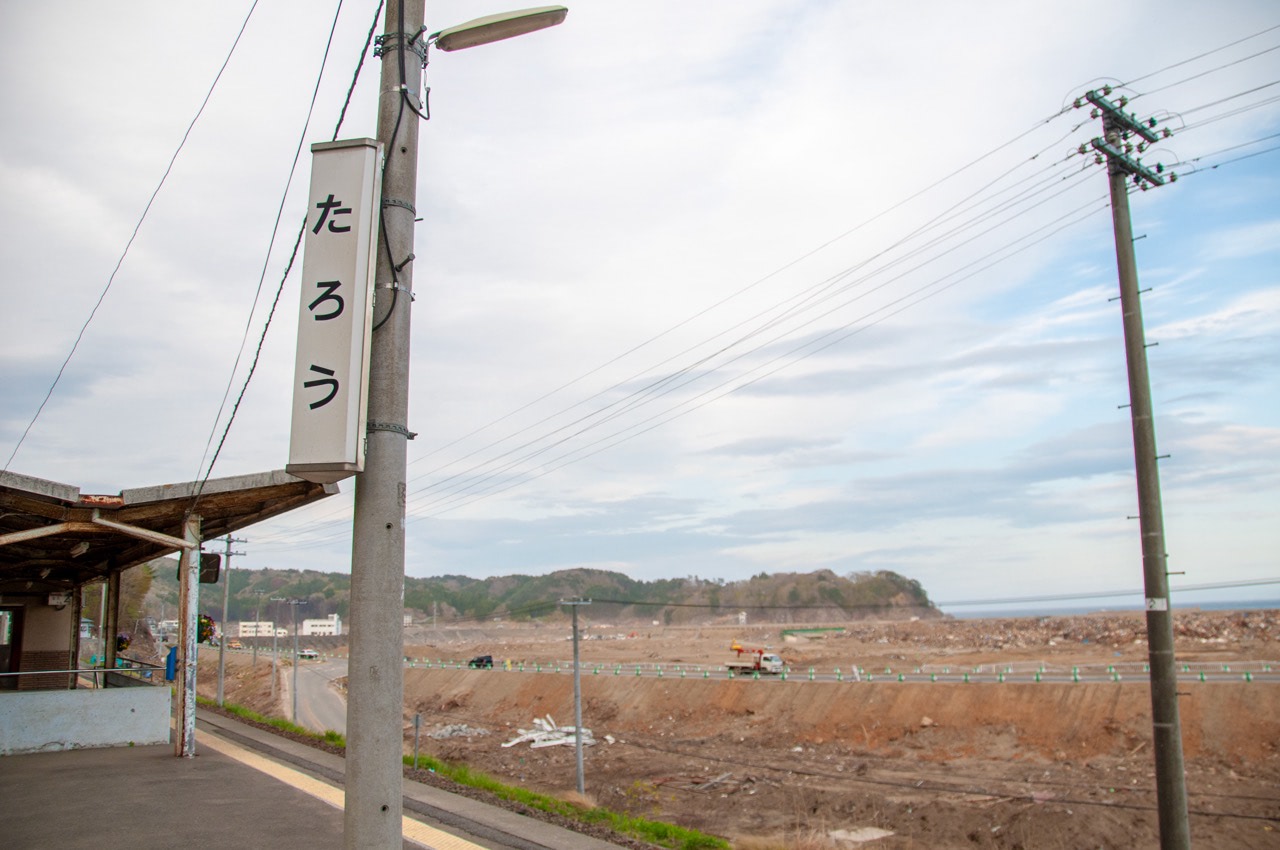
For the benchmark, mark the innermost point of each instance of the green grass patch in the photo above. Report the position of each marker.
(328, 736)
(655, 832)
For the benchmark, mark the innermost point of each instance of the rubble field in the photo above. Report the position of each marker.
(877, 764)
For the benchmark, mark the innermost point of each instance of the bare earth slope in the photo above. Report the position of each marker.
(1014, 765)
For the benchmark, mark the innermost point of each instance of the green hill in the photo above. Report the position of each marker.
(820, 596)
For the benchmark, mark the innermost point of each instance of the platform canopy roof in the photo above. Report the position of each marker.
(53, 537)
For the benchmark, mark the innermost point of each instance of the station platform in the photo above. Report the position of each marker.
(244, 788)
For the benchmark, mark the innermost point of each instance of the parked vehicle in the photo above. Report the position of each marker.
(752, 660)
(308, 655)
(234, 644)
(481, 662)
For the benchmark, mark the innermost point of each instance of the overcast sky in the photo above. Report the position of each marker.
(702, 288)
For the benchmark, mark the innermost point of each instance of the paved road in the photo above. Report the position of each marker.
(1247, 671)
(320, 706)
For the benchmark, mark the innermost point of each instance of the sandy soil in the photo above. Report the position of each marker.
(939, 765)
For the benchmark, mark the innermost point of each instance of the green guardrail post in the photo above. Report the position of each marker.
(1202, 675)
(839, 675)
(1000, 678)
(933, 677)
(901, 678)
(966, 678)
(1075, 674)
(1037, 675)
(1248, 677)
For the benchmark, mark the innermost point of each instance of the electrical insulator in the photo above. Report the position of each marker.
(1142, 146)
(1106, 89)
(1082, 149)
(1173, 177)
(1167, 132)
(1097, 159)
(1123, 101)
(1078, 102)
(1093, 113)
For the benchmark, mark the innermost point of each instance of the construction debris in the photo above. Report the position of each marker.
(456, 730)
(547, 734)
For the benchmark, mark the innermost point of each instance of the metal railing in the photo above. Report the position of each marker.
(128, 672)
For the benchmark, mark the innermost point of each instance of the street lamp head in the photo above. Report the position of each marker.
(497, 27)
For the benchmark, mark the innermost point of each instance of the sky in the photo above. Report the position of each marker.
(701, 289)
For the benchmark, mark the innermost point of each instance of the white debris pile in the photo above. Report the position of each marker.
(547, 734)
(456, 730)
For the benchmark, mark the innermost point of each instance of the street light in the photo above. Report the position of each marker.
(493, 28)
(375, 703)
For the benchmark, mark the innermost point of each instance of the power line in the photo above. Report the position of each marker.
(134, 235)
(1207, 53)
(470, 479)
(275, 229)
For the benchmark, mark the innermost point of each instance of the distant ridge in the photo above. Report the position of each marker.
(819, 596)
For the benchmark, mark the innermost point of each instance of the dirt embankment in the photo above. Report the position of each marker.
(941, 765)
(1237, 724)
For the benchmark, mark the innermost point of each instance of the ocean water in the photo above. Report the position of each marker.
(1030, 609)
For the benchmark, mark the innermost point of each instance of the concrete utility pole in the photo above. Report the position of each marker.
(375, 694)
(226, 598)
(257, 628)
(275, 654)
(189, 637)
(293, 605)
(1171, 787)
(375, 701)
(577, 691)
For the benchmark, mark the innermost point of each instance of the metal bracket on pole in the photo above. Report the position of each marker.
(393, 427)
(396, 202)
(395, 287)
(393, 40)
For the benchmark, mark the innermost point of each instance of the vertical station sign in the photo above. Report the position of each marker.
(331, 372)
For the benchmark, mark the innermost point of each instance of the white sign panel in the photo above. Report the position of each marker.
(331, 372)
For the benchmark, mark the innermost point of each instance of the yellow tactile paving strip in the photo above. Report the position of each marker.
(418, 833)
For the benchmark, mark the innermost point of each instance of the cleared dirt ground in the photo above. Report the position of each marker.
(939, 765)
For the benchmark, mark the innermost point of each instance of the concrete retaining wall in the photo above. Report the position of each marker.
(42, 721)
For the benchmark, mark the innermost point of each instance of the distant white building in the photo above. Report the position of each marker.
(330, 625)
(262, 628)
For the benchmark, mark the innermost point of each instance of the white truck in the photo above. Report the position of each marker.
(748, 661)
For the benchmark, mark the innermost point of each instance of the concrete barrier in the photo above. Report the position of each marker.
(45, 721)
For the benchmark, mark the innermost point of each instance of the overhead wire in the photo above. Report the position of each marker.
(658, 420)
(134, 235)
(1200, 56)
(813, 296)
(666, 379)
(262, 276)
(297, 242)
(940, 217)
(529, 457)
